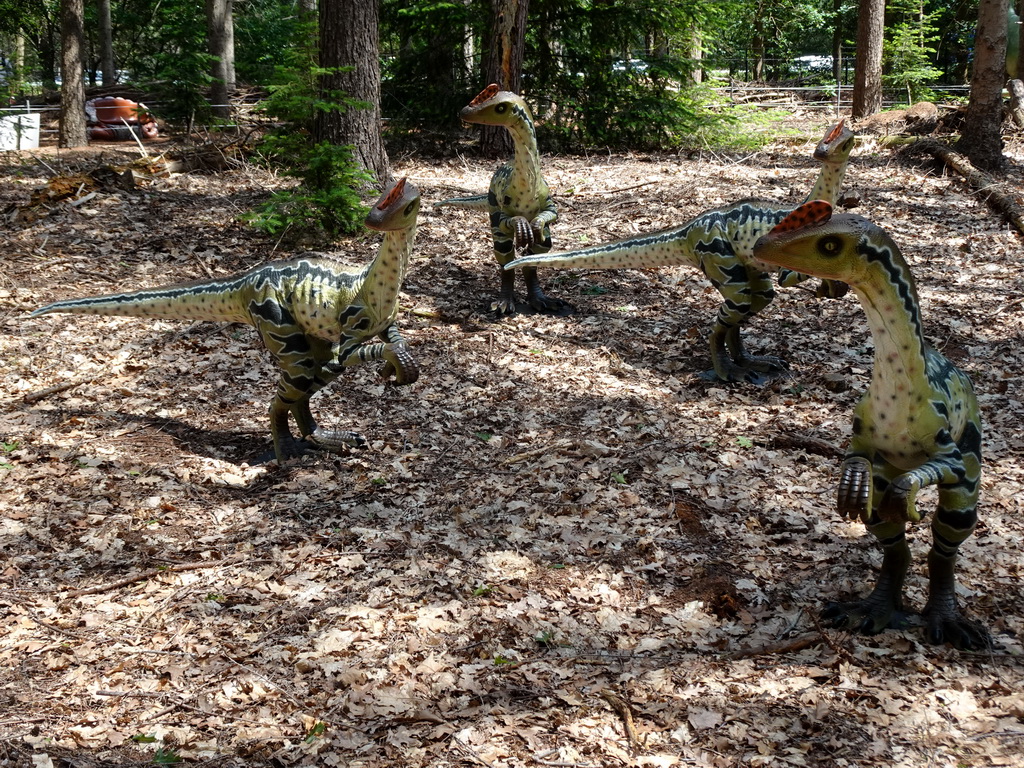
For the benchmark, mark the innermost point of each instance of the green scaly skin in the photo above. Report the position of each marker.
(519, 202)
(313, 314)
(917, 425)
(719, 243)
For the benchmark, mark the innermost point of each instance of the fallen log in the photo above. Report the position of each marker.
(998, 195)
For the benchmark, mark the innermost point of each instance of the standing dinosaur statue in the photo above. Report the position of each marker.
(918, 424)
(719, 242)
(313, 314)
(518, 202)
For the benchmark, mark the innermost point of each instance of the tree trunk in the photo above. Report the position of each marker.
(867, 74)
(1016, 89)
(71, 132)
(220, 36)
(980, 139)
(1019, 74)
(349, 38)
(109, 76)
(505, 53)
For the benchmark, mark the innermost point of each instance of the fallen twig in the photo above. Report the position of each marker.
(149, 574)
(621, 707)
(787, 646)
(39, 394)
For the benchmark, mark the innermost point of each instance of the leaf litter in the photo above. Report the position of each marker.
(562, 547)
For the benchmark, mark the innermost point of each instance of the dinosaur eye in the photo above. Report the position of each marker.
(830, 245)
(501, 108)
(409, 208)
(848, 144)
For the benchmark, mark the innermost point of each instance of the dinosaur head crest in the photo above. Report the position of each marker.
(807, 215)
(395, 193)
(485, 94)
(834, 133)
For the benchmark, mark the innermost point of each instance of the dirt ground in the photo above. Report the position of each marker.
(562, 546)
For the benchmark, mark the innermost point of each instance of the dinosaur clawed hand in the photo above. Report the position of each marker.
(524, 234)
(853, 498)
(400, 364)
(897, 505)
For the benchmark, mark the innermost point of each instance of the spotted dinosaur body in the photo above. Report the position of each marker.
(917, 425)
(719, 243)
(314, 314)
(518, 202)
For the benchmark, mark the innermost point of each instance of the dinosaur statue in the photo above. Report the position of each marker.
(314, 314)
(917, 425)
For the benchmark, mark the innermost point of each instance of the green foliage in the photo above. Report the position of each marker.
(327, 201)
(426, 76)
(166, 756)
(908, 51)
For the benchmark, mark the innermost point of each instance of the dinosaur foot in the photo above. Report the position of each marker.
(948, 625)
(546, 305)
(868, 617)
(736, 373)
(290, 449)
(335, 441)
(506, 306)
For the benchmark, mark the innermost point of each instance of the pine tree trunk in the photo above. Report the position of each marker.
(980, 138)
(71, 132)
(504, 65)
(220, 39)
(109, 76)
(867, 76)
(1019, 74)
(349, 38)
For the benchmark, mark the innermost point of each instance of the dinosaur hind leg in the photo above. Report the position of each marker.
(953, 523)
(292, 398)
(745, 293)
(537, 298)
(884, 606)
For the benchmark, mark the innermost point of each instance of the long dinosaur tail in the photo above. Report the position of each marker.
(658, 249)
(469, 203)
(215, 300)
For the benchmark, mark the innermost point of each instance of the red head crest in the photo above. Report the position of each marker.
(485, 94)
(807, 215)
(395, 193)
(834, 133)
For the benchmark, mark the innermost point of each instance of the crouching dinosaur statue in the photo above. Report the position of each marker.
(518, 202)
(313, 313)
(917, 425)
(719, 242)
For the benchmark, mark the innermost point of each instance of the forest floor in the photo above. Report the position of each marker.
(562, 546)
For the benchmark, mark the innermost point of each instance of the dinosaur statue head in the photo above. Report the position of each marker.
(815, 242)
(493, 106)
(396, 208)
(836, 146)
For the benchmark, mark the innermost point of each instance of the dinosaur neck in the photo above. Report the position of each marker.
(383, 277)
(524, 138)
(890, 302)
(829, 182)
